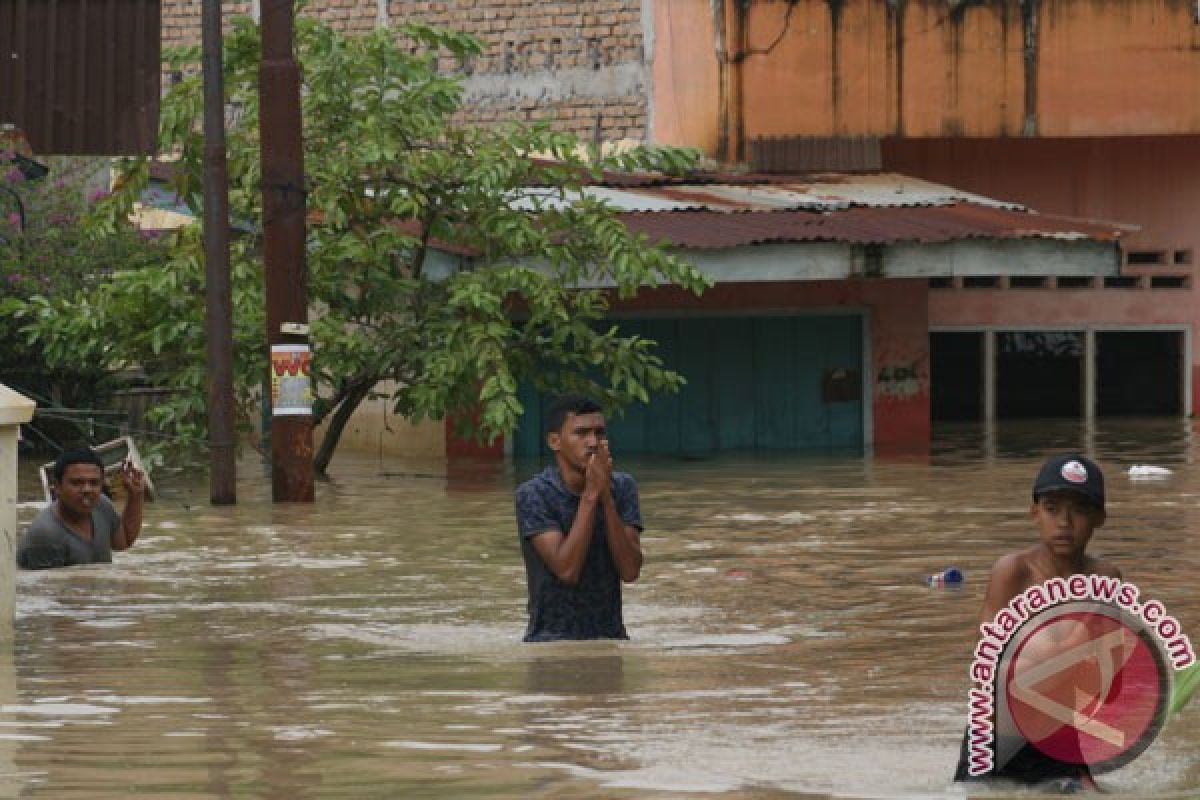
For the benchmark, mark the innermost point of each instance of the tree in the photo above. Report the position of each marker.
(45, 252)
(391, 182)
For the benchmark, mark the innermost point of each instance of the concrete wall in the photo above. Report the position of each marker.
(577, 64)
(925, 68)
(1153, 182)
(375, 430)
(14, 410)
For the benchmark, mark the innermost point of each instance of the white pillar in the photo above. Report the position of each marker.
(14, 409)
(989, 376)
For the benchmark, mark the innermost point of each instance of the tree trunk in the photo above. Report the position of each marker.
(337, 424)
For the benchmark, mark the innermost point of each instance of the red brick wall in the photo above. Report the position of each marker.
(574, 63)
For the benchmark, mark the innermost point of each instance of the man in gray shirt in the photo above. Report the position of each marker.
(81, 526)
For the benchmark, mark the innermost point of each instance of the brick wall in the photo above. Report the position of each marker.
(181, 20)
(578, 64)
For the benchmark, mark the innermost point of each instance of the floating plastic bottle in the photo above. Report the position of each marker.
(951, 576)
(1148, 472)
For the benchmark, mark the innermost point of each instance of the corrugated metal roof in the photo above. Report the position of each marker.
(877, 225)
(81, 77)
(826, 192)
(882, 208)
(820, 192)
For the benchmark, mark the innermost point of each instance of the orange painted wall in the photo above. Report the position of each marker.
(1153, 182)
(684, 72)
(930, 68)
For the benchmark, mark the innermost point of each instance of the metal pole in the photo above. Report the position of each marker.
(283, 238)
(222, 467)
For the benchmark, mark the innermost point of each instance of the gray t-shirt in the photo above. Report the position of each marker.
(50, 543)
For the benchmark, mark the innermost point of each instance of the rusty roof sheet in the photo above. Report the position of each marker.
(818, 192)
(879, 208)
(79, 77)
(861, 225)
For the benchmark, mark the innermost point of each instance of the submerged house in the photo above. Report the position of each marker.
(1082, 108)
(815, 336)
(879, 260)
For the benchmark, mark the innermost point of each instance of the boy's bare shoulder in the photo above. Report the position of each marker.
(1011, 574)
(1013, 566)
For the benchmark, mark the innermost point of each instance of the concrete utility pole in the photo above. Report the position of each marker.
(286, 283)
(222, 466)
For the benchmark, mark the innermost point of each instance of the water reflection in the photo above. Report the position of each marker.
(783, 638)
(575, 675)
(10, 738)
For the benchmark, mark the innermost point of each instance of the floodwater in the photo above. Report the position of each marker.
(784, 642)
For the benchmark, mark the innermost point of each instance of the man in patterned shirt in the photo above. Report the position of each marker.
(579, 525)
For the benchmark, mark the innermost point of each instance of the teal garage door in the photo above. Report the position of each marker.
(753, 383)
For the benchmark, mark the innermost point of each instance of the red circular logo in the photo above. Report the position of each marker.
(1085, 688)
(1074, 472)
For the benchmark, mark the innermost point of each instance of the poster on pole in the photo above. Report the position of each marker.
(291, 380)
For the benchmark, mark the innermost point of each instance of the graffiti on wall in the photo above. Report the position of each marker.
(899, 381)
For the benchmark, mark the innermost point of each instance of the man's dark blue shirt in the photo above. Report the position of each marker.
(592, 608)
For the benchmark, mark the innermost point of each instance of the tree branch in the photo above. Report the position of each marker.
(353, 396)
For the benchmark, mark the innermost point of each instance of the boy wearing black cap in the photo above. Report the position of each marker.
(1068, 507)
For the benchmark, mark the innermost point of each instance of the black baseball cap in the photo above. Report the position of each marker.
(1071, 473)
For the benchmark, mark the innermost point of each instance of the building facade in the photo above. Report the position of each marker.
(1088, 109)
(1077, 107)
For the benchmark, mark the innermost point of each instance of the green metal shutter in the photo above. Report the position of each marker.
(754, 383)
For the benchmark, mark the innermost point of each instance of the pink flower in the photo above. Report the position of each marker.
(14, 219)
(14, 175)
(97, 195)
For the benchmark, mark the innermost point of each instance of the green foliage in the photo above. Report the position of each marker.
(47, 258)
(388, 177)
(1186, 683)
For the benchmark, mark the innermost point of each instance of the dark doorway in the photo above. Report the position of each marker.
(1039, 374)
(956, 376)
(1139, 373)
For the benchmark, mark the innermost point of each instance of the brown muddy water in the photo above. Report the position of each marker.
(784, 643)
